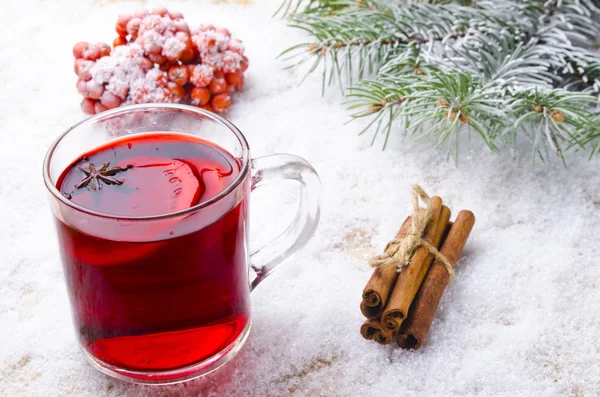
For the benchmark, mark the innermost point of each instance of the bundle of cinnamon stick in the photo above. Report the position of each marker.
(400, 302)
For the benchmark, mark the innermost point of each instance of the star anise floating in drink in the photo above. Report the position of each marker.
(93, 177)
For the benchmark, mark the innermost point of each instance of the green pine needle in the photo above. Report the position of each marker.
(445, 68)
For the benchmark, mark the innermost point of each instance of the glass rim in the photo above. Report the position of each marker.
(245, 157)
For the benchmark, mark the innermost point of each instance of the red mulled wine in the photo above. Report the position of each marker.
(155, 303)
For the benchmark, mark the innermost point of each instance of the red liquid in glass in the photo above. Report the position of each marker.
(161, 304)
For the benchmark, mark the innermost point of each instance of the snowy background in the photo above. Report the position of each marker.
(521, 319)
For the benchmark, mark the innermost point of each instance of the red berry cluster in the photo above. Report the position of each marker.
(158, 58)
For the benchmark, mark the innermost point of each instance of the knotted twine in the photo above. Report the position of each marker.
(399, 250)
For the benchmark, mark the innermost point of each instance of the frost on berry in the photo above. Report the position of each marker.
(201, 75)
(235, 45)
(214, 60)
(118, 88)
(94, 89)
(83, 69)
(172, 48)
(158, 57)
(103, 70)
(231, 62)
(133, 26)
(151, 41)
(152, 88)
(210, 41)
(157, 78)
(184, 37)
(119, 70)
(212, 46)
(91, 52)
(157, 23)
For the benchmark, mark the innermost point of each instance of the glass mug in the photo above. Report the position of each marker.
(165, 298)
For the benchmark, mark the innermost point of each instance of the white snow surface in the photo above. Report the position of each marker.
(522, 317)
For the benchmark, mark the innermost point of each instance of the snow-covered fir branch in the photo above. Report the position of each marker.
(443, 68)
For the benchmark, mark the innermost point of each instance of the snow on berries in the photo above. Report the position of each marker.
(201, 75)
(159, 58)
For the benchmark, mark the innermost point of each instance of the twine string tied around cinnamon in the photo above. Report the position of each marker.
(399, 250)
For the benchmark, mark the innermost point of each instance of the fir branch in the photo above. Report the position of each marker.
(560, 118)
(592, 137)
(440, 104)
(442, 68)
(340, 40)
(565, 117)
(374, 32)
(319, 7)
(580, 71)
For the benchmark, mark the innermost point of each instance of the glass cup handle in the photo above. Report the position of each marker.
(282, 167)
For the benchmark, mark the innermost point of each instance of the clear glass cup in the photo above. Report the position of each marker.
(165, 298)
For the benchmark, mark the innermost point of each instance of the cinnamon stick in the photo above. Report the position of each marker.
(410, 278)
(376, 292)
(415, 327)
(373, 330)
(443, 231)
